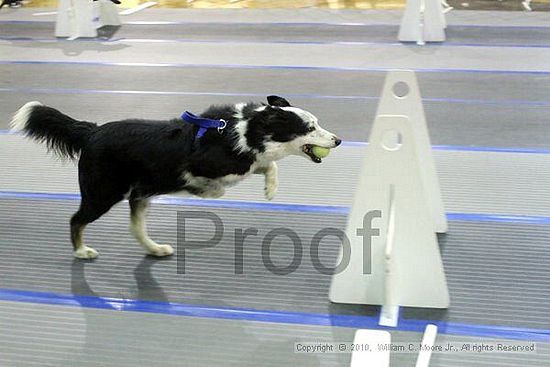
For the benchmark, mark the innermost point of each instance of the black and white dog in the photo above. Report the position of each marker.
(138, 159)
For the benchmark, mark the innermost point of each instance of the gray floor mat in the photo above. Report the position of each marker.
(471, 182)
(461, 109)
(485, 263)
(257, 32)
(480, 87)
(91, 337)
(450, 124)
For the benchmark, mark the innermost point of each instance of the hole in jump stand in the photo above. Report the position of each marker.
(392, 140)
(400, 89)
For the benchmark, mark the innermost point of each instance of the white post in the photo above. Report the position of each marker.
(428, 341)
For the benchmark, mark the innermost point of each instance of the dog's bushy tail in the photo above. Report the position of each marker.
(61, 133)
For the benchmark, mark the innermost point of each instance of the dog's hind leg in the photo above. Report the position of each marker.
(87, 213)
(138, 216)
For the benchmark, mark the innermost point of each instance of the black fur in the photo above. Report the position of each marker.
(11, 3)
(61, 133)
(277, 101)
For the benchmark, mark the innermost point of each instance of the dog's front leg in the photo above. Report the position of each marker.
(271, 175)
(138, 214)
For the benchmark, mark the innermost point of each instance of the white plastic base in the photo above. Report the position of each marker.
(374, 357)
(389, 316)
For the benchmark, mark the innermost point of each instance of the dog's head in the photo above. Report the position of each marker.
(287, 130)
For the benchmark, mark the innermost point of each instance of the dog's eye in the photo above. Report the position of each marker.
(310, 129)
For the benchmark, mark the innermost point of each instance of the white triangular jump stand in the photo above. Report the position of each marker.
(398, 194)
(423, 21)
(82, 18)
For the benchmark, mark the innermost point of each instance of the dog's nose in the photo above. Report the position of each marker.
(337, 141)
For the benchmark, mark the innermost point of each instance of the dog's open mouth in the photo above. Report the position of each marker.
(308, 150)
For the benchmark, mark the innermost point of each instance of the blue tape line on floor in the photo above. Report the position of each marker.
(299, 208)
(272, 316)
(272, 67)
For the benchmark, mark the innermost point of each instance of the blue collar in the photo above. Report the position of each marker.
(203, 123)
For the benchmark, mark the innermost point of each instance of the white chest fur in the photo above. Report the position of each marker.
(212, 188)
(230, 180)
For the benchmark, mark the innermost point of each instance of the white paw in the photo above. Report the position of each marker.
(270, 190)
(161, 250)
(86, 252)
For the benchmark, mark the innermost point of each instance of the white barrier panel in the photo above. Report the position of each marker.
(394, 259)
(81, 18)
(401, 96)
(75, 18)
(423, 21)
(108, 13)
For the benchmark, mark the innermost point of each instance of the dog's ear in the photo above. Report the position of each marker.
(277, 101)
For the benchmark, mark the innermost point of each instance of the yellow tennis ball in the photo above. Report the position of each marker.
(320, 152)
